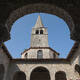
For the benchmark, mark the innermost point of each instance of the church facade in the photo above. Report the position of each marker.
(40, 62)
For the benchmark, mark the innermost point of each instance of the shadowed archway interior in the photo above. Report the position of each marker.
(40, 73)
(19, 76)
(60, 75)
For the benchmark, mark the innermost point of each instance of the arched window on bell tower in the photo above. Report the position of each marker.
(39, 54)
(41, 31)
(37, 31)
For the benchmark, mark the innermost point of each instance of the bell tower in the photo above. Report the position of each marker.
(39, 35)
(39, 48)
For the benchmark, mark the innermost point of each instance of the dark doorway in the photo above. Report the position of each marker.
(1, 71)
(19, 76)
(40, 73)
(60, 75)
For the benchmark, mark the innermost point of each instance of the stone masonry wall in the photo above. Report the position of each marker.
(52, 68)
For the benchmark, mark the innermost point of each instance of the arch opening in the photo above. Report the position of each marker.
(2, 70)
(60, 75)
(19, 76)
(40, 73)
(43, 8)
(59, 33)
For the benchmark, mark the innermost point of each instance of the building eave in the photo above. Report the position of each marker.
(48, 61)
(40, 48)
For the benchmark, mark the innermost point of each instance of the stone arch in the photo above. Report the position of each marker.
(19, 75)
(40, 73)
(44, 8)
(60, 75)
(2, 71)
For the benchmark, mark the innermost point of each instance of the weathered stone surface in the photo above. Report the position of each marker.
(32, 54)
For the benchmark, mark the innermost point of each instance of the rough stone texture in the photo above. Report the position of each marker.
(53, 68)
(68, 10)
(39, 40)
(5, 61)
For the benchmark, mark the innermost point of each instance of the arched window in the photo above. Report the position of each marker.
(1, 71)
(60, 75)
(41, 31)
(19, 75)
(26, 55)
(40, 73)
(54, 55)
(77, 68)
(37, 31)
(39, 54)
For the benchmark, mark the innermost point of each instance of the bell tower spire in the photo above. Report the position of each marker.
(39, 22)
(39, 36)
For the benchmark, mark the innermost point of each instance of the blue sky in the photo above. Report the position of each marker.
(58, 34)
